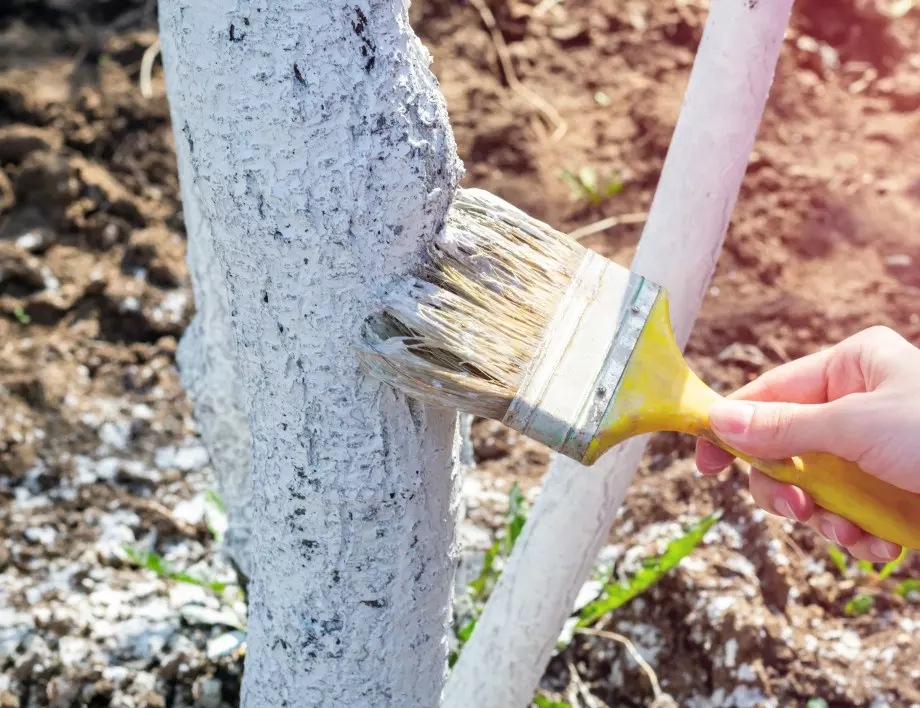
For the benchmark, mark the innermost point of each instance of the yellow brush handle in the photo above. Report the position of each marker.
(658, 392)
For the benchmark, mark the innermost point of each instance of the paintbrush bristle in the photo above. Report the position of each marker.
(462, 332)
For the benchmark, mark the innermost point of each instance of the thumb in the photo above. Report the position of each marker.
(774, 430)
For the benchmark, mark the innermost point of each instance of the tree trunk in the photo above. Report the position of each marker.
(320, 147)
(514, 638)
(207, 361)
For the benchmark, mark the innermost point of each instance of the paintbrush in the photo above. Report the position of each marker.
(511, 320)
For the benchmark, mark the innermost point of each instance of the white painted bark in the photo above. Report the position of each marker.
(504, 659)
(320, 147)
(207, 362)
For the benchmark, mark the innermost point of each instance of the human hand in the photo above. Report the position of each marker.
(859, 400)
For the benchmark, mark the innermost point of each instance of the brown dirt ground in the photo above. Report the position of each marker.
(825, 241)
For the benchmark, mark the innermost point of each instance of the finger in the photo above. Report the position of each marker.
(804, 380)
(711, 459)
(872, 549)
(835, 528)
(780, 430)
(783, 500)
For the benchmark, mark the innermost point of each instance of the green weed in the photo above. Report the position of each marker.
(617, 594)
(908, 589)
(481, 587)
(159, 565)
(544, 702)
(859, 604)
(215, 515)
(21, 315)
(585, 185)
(841, 562)
(816, 703)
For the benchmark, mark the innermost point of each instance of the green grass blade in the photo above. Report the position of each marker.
(892, 566)
(859, 604)
(839, 558)
(544, 702)
(653, 569)
(213, 498)
(159, 565)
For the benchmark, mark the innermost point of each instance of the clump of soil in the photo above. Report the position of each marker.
(97, 445)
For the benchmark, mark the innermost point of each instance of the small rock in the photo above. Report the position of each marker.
(116, 435)
(7, 195)
(182, 656)
(10, 640)
(570, 34)
(744, 354)
(182, 594)
(44, 535)
(899, 260)
(209, 693)
(34, 653)
(118, 675)
(140, 638)
(589, 592)
(191, 458)
(151, 700)
(36, 240)
(137, 471)
(196, 614)
(17, 142)
(107, 468)
(902, 90)
(142, 411)
(903, 267)
(73, 650)
(62, 692)
(144, 682)
(225, 645)
(191, 511)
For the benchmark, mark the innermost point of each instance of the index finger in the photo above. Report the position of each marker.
(804, 380)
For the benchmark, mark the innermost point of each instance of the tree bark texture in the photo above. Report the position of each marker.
(319, 144)
(207, 362)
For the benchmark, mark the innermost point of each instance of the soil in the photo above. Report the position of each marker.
(97, 443)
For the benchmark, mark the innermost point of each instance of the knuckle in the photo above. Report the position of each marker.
(881, 335)
(772, 421)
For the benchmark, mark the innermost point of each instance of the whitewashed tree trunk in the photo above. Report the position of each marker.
(320, 147)
(207, 362)
(507, 654)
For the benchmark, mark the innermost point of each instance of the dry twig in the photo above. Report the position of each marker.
(504, 56)
(150, 56)
(579, 688)
(631, 648)
(608, 223)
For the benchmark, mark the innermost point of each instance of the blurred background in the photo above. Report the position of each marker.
(112, 588)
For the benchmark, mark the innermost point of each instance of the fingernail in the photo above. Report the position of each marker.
(731, 417)
(783, 508)
(883, 549)
(828, 530)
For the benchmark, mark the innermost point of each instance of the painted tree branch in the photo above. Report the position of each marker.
(514, 639)
(320, 147)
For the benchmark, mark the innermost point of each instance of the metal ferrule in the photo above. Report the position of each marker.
(575, 375)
